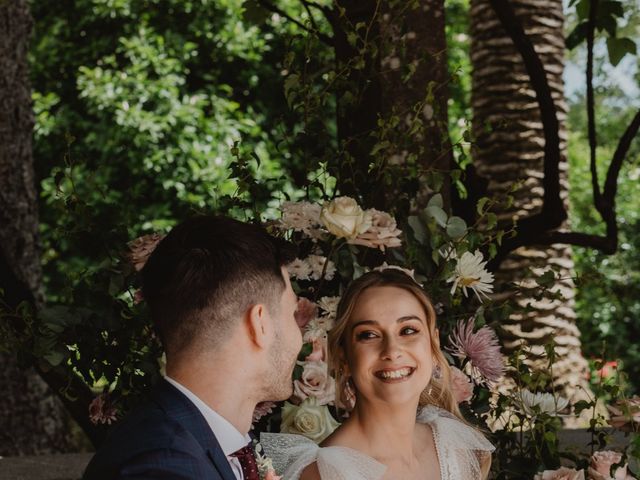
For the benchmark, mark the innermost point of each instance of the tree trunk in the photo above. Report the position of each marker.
(32, 418)
(407, 68)
(511, 150)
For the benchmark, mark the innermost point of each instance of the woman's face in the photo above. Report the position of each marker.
(388, 346)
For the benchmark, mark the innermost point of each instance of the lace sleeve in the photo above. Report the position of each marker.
(291, 454)
(460, 447)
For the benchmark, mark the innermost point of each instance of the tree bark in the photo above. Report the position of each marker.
(510, 148)
(32, 418)
(408, 69)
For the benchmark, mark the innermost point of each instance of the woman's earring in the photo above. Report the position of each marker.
(348, 397)
(437, 372)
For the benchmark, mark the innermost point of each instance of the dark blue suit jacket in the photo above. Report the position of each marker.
(166, 438)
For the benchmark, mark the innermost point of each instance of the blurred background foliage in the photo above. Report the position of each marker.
(139, 105)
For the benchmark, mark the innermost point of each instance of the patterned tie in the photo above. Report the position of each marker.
(246, 457)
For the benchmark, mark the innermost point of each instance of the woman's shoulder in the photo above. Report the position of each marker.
(297, 457)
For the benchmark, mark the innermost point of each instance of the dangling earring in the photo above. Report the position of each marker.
(348, 395)
(437, 372)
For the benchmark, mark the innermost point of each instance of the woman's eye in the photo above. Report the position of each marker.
(367, 335)
(409, 331)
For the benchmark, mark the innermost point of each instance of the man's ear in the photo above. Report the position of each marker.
(259, 324)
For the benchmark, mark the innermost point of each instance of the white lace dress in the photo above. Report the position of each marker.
(458, 447)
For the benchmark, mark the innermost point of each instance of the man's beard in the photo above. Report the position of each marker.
(280, 381)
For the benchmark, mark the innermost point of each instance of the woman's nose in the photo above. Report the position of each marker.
(391, 349)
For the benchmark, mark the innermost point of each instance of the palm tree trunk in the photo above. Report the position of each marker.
(509, 149)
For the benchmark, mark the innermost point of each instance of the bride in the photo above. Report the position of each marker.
(405, 423)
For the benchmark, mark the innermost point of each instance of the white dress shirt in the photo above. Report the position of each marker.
(229, 438)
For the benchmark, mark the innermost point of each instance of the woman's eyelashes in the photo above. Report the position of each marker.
(370, 334)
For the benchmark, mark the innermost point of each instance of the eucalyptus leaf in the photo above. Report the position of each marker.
(438, 214)
(456, 228)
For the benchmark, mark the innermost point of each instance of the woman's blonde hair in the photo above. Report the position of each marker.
(439, 391)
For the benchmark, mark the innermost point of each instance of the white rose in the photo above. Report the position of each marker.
(315, 382)
(309, 419)
(383, 232)
(562, 473)
(344, 218)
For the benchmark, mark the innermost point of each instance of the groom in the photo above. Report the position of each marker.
(224, 308)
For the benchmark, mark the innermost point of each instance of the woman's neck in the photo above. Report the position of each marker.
(387, 430)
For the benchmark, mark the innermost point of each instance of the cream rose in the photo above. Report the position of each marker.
(344, 218)
(562, 473)
(601, 463)
(383, 232)
(309, 419)
(315, 382)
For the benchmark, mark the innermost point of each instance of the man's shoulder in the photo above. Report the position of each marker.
(164, 432)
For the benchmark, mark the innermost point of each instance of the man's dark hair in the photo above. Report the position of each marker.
(206, 273)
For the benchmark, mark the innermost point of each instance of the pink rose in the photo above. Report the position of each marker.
(562, 473)
(305, 312)
(319, 352)
(383, 232)
(461, 385)
(315, 382)
(601, 463)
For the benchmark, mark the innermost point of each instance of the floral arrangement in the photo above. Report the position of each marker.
(338, 241)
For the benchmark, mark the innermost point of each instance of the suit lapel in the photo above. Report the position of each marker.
(181, 409)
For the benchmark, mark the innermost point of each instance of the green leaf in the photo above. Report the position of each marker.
(419, 230)
(438, 214)
(456, 228)
(577, 36)
(492, 220)
(610, 8)
(290, 83)
(436, 201)
(546, 279)
(583, 9)
(618, 48)
(480, 205)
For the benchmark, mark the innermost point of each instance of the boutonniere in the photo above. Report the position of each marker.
(265, 464)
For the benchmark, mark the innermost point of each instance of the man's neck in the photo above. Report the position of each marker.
(223, 389)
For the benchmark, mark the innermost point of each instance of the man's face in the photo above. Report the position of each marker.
(287, 345)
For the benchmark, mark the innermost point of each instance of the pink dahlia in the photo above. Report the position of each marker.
(481, 348)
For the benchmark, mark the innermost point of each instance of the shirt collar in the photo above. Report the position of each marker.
(229, 438)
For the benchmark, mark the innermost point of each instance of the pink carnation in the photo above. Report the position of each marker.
(101, 410)
(461, 385)
(481, 348)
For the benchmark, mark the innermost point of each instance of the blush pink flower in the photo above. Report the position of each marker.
(601, 463)
(315, 382)
(481, 348)
(305, 312)
(262, 409)
(101, 410)
(625, 414)
(318, 351)
(383, 232)
(461, 385)
(563, 473)
(141, 248)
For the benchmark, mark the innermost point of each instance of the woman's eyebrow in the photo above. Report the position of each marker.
(404, 318)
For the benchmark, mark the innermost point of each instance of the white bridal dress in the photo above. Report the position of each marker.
(458, 447)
